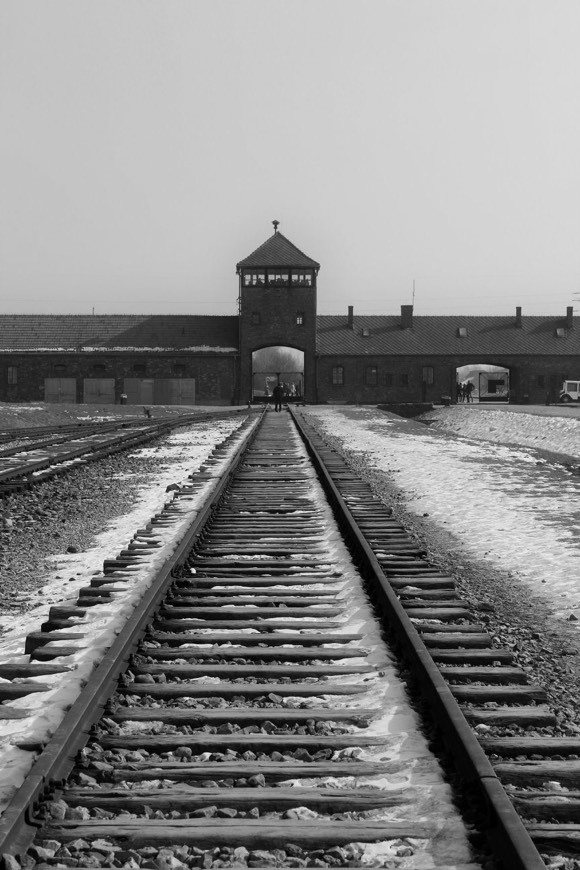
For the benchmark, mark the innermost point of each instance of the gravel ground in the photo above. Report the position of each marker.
(62, 515)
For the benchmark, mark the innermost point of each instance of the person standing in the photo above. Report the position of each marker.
(278, 394)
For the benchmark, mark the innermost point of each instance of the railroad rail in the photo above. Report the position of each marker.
(248, 705)
(25, 433)
(22, 466)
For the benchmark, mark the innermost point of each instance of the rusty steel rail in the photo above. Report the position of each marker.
(504, 828)
(17, 827)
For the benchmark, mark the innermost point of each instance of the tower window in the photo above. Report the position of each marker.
(256, 318)
(254, 279)
(338, 375)
(301, 277)
(299, 318)
(278, 279)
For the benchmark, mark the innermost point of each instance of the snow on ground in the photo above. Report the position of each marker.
(504, 504)
(183, 453)
(558, 430)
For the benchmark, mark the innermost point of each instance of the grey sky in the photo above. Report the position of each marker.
(147, 145)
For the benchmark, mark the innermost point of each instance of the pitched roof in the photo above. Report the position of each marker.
(27, 332)
(438, 335)
(278, 251)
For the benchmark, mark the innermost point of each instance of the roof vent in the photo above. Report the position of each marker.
(560, 332)
(462, 331)
(366, 332)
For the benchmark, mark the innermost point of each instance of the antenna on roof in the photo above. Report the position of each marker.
(275, 226)
(413, 297)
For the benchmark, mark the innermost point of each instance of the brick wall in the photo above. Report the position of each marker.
(277, 309)
(400, 378)
(215, 375)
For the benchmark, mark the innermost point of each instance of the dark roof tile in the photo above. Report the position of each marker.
(437, 335)
(277, 251)
(21, 332)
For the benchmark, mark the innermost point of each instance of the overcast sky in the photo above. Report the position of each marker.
(147, 145)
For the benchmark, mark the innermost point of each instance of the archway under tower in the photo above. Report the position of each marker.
(277, 364)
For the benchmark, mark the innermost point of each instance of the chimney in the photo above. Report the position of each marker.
(406, 316)
(350, 317)
(519, 317)
(570, 317)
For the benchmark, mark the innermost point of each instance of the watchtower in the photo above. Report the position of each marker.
(277, 306)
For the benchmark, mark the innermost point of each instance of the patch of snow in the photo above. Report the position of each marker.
(501, 504)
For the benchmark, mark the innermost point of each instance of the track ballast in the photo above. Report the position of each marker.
(261, 721)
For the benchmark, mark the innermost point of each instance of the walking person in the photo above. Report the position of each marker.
(469, 388)
(278, 395)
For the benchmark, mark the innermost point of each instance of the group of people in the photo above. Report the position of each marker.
(464, 391)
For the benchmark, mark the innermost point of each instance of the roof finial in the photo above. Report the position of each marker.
(275, 226)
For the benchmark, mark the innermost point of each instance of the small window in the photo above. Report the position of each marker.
(301, 277)
(59, 370)
(388, 379)
(277, 279)
(256, 318)
(139, 369)
(371, 376)
(427, 374)
(338, 375)
(99, 370)
(365, 332)
(299, 318)
(179, 369)
(404, 379)
(12, 376)
(560, 332)
(462, 331)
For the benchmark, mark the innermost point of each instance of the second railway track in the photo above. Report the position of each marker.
(24, 465)
(261, 720)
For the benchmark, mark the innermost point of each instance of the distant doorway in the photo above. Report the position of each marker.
(482, 383)
(277, 365)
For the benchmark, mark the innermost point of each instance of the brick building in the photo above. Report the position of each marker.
(207, 360)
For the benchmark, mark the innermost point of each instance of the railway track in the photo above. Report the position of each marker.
(254, 717)
(24, 465)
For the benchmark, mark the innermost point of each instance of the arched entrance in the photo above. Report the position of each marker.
(278, 365)
(482, 382)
